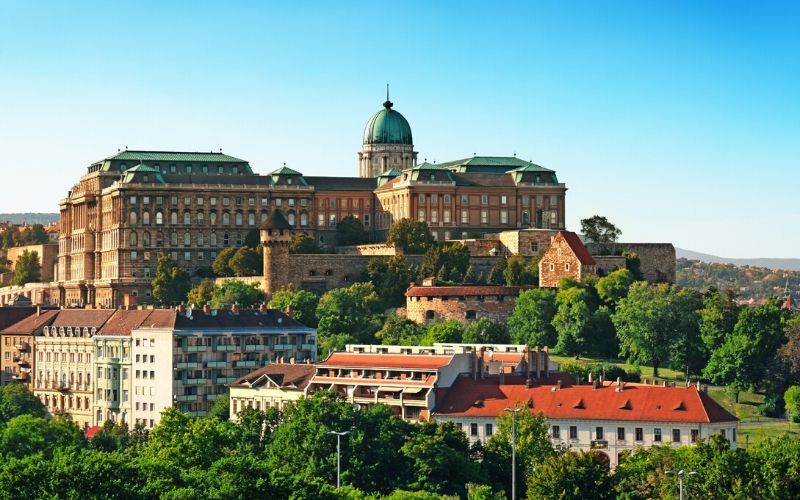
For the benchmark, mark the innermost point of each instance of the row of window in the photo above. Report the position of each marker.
(434, 199)
(56, 356)
(332, 219)
(190, 169)
(227, 201)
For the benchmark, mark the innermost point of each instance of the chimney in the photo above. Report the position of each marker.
(596, 384)
(182, 309)
(619, 381)
(591, 378)
(480, 362)
(663, 383)
(502, 377)
(206, 309)
(290, 310)
(529, 382)
(38, 310)
(528, 368)
(577, 380)
(235, 308)
(558, 384)
(291, 360)
(620, 384)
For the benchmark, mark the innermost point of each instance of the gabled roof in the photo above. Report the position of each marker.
(284, 170)
(136, 173)
(578, 248)
(248, 318)
(789, 303)
(489, 164)
(123, 321)
(378, 361)
(284, 375)
(11, 315)
(637, 402)
(33, 324)
(84, 318)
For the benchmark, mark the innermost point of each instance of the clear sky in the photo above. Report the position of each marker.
(679, 121)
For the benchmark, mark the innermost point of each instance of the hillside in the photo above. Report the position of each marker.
(29, 218)
(749, 282)
(771, 263)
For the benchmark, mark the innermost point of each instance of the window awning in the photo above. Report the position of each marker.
(389, 389)
(413, 390)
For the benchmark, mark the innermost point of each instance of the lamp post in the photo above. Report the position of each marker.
(513, 412)
(680, 475)
(339, 456)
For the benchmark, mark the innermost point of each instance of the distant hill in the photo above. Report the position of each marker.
(29, 218)
(769, 263)
(749, 282)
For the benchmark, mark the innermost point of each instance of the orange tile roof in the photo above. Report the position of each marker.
(88, 318)
(284, 374)
(391, 382)
(33, 324)
(637, 402)
(466, 290)
(577, 246)
(372, 360)
(123, 321)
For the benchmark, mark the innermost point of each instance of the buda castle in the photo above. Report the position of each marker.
(133, 206)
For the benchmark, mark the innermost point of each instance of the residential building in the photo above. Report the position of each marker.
(19, 326)
(566, 257)
(611, 418)
(272, 386)
(187, 360)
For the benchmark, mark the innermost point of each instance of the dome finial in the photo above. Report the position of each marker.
(388, 104)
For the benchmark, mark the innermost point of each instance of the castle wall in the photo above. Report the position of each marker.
(459, 308)
(657, 260)
(609, 263)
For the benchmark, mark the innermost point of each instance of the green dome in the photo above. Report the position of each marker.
(387, 126)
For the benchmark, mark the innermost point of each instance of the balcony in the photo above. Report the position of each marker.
(21, 346)
(246, 364)
(197, 348)
(186, 397)
(196, 381)
(308, 347)
(227, 347)
(213, 397)
(225, 380)
(217, 364)
(189, 364)
(283, 347)
(255, 347)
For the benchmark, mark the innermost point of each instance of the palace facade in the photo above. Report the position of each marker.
(135, 205)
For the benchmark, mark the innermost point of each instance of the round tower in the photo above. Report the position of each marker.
(276, 235)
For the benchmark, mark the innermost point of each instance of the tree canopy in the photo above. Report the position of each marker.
(236, 292)
(412, 236)
(350, 231)
(171, 283)
(303, 302)
(27, 269)
(598, 229)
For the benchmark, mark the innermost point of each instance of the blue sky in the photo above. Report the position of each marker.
(679, 121)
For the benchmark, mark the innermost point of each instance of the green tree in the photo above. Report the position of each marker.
(34, 235)
(171, 283)
(303, 244)
(221, 408)
(531, 321)
(572, 321)
(391, 277)
(399, 330)
(496, 274)
(792, 399)
(246, 262)
(599, 230)
(252, 238)
(614, 287)
(469, 276)
(453, 256)
(27, 435)
(16, 400)
(350, 231)
(520, 271)
(221, 265)
(602, 337)
(413, 237)
(717, 318)
(349, 311)
(446, 331)
(303, 302)
(687, 351)
(571, 475)
(236, 292)
(486, 331)
(27, 269)
(201, 294)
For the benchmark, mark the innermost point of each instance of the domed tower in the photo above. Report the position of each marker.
(387, 143)
(276, 235)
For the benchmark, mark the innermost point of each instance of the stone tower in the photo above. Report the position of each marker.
(276, 234)
(387, 143)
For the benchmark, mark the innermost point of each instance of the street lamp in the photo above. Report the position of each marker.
(680, 475)
(339, 456)
(513, 412)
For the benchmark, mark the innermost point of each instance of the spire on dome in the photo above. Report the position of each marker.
(388, 104)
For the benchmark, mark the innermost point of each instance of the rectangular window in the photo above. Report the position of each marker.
(434, 216)
(446, 199)
(421, 215)
(133, 200)
(200, 200)
(676, 435)
(553, 201)
(465, 216)
(226, 201)
(620, 433)
(187, 200)
(251, 201)
(598, 433)
(464, 199)
(213, 200)
(504, 200)
(422, 199)
(573, 432)
(484, 216)
(473, 429)
(556, 432)
(489, 430)
(484, 199)
(446, 216)
(146, 200)
(733, 434)
(526, 200)
(320, 220)
(639, 434)
(434, 199)
(657, 435)
(504, 216)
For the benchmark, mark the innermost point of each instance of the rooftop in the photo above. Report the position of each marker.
(392, 361)
(282, 374)
(577, 246)
(465, 290)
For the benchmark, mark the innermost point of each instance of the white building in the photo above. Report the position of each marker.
(611, 417)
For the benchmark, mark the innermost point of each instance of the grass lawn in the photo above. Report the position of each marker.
(745, 410)
(647, 371)
(752, 434)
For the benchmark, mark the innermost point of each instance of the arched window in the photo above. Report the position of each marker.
(200, 239)
(187, 217)
(159, 218)
(159, 239)
(146, 239)
(290, 218)
(173, 239)
(213, 239)
(225, 239)
(132, 218)
(134, 239)
(187, 239)
(526, 217)
(238, 218)
(251, 219)
(226, 219)
(264, 216)
(200, 218)
(303, 219)
(212, 218)
(145, 217)
(173, 218)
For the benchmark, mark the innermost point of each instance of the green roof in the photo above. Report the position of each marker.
(166, 156)
(285, 171)
(392, 172)
(387, 126)
(137, 173)
(491, 164)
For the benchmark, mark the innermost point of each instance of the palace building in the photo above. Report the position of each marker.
(135, 205)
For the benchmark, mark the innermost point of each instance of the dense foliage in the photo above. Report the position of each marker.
(749, 282)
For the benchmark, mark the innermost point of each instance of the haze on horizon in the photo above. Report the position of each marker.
(677, 121)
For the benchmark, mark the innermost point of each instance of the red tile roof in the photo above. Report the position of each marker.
(372, 360)
(637, 402)
(12, 315)
(789, 303)
(123, 321)
(283, 374)
(84, 318)
(577, 246)
(91, 431)
(466, 290)
(160, 318)
(33, 324)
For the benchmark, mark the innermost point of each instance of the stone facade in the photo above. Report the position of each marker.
(657, 261)
(566, 257)
(431, 303)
